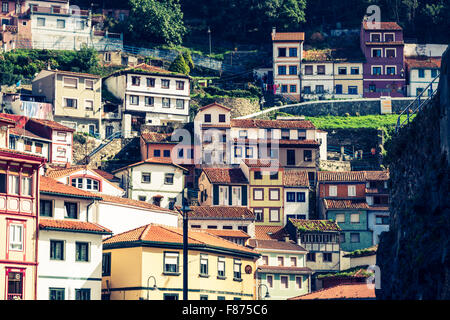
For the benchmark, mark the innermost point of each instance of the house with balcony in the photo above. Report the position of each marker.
(321, 238)
(218, 269)
(70, 243)
(221, 219)
(223, 187)
(157, 181)
(377, 197)
(281, 270)
(384, 67)
(287, 49)
(150, 95)
(19, 207)
(420, 72)
(76, 98)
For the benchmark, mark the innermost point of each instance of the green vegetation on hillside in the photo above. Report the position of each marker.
(369, 121)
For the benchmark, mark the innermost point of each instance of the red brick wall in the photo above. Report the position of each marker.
(342, 189)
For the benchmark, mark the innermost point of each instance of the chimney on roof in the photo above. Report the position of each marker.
(286, 238)
(67, 165)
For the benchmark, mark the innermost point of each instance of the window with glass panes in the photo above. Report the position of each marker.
(81, 251)
(149, 101)
(180, 104)
(106, 264)
(259, 214)
(165, 84)
(221, 267)
(16, 236)
(150, 82)
(165, 102)
(171, 262)
(180, 85)
(71, 210)
(56, 293)
(146, 177)
(168, 178)
(56, 250)
(83, 294)
(46, 208)
(203, 264)
(237, 269)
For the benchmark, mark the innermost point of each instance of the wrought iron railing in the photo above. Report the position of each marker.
(417, 104)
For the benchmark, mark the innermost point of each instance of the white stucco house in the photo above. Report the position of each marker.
(85, 178)
(420, 73)
(157, 181)
(69, 245)
(150, 95)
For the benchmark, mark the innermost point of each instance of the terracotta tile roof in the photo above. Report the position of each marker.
(270, 232)
(423, 62)
(72, 225)
(272, 124)
(284, 270)
(216, 125)
(106, 175)
(221, 212)
(134, 203)
(166, 161)
(6, 120)
(345, 204)
(79, 74)
(311, 143)
(225, 175)
(383, 26)
(52, 124)
(261, 163)
(23, 132)
(391, 43)
(150, 68)
(315, 225)
(49, 185)
(377, 175)
(164, 234)
(29, 156)
(156, 137)
(227, 233)
(344, 176)
(343, 291)
(295, 178)
(57, 172)
(214, 104)
(288, 36)
(275, 245)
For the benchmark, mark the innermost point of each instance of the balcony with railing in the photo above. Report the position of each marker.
(8, 28)
(58, 11)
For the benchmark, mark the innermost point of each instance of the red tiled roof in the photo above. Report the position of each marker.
(261, 163)
(227, 233)
(345, 204)
(315, 225)
(312, 143)
(423, 62)
(23, 132)
(295, 178)
(167, 161)
(275, 245)
(343, 291)
(284, 270)
(344, 176)
(220, 212)
(150, 68)
(159, 233)
(79, 74)
(134, 203)
(28, 156)
(288, 36)
(214, 104)
(49, 185)
(52, 124)
(270, 232)
(272, 124)
(72, 225)
(377, 175)
(156, 137)
(104, 174)
(383, 26)
(7, 120)
(391, 43)
(225, 175)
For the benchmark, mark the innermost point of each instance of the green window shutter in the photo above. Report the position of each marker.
(215, 194)
(244, 196)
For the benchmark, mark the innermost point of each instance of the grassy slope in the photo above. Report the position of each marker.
(369, 121)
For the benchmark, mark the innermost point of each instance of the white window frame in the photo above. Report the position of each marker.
(351, 191)
(377, 66)
(353, 218)
(85, 84)
(334, 193)
(85, 104)
(255, 193)
(385, 70)
(64, 102)
(395, 52)
(393, 36)
(69, 86)
(373, 49)
(374, 33)
(340, 218)
(270, 214)
(13, 241)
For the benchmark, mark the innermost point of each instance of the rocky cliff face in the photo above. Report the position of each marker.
(414, 256)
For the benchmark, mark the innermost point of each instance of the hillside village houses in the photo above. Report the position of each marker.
(265, 222)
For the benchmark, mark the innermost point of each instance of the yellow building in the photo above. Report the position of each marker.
(265, 179)
(147, 263)
(348, 79)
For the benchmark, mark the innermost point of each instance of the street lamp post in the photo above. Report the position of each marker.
(267, 296)
(148, 287)
(185, 209)
(209, 34)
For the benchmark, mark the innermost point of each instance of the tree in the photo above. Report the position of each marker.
(179, 65)
(188, 59)
(156, 21)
